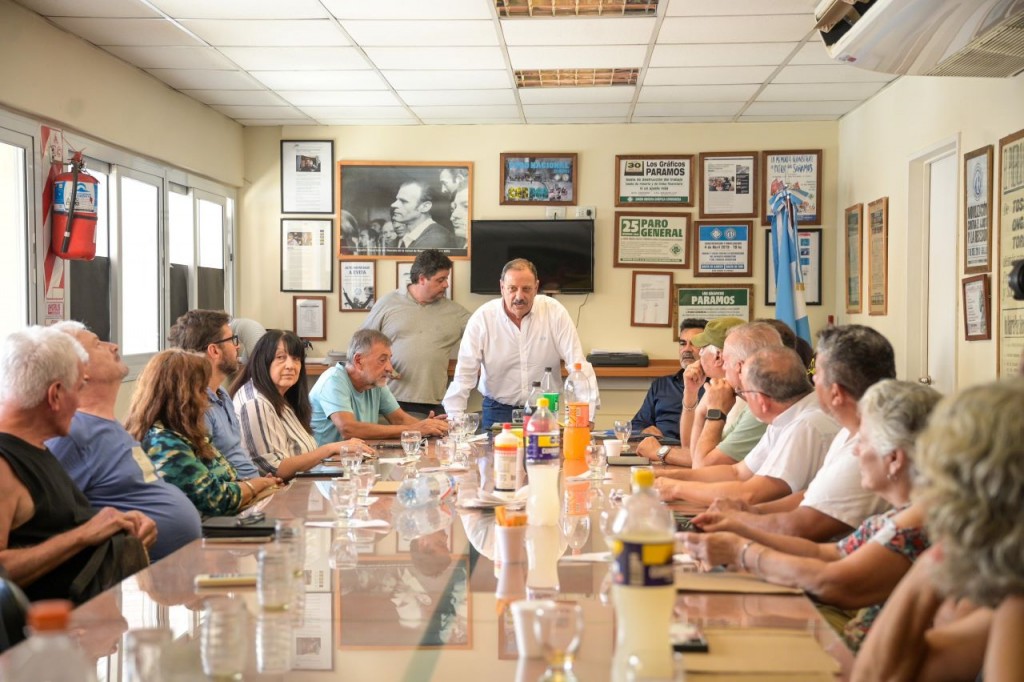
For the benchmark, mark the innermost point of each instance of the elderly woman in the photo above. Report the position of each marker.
(166, 417)
(971, 461)
(273, 410)
(860, 571)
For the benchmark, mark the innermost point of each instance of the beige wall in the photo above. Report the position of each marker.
(877, 142)
(56, 77)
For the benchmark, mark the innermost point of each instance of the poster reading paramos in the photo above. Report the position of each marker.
(654, 180)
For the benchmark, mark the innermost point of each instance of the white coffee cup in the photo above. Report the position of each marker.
(613, 446)
(523, 616)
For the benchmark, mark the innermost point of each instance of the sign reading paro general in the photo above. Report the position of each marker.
(652, 239)
(654, 180)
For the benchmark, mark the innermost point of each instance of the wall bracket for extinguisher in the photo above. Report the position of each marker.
(77, 165)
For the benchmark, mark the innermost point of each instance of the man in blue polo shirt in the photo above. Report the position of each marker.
(659, 415)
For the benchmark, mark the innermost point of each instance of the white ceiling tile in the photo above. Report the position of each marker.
(329, 98)
(457, 97)
(267, 122)
(493, 120)
(469, 112)
(428, 58)
(320, 80)
(88, 8)
(370, 121)
(321, 113)
(813, 52)
(255, 112)
(426, 33)
(448, 80)
(832, 73)
(682, 119)
(546, 120)
(409, 9)
(688, 109)
(708, 75)
(790, 117)
(241, 9)
(578, 31)
(800, 108)
(818, 91)
(109, 31)
(205, 79)
(697, 93)
(618, 93)
(749, 54)
(246, 97)
(771, 28)
(582, 57)
(267, 32)
(573, 110)
(172, 57)
(694, 8)
(296, 58)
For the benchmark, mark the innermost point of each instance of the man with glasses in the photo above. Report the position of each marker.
(659, 415)
(208, 332)
(792, 449)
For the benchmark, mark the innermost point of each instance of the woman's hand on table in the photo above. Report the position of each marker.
(713, 549)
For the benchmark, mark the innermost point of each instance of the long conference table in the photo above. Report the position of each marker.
(412, 596)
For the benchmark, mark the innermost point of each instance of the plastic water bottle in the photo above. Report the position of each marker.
(576, 396)
(506, 454)
(531, 402)
(424, 489)
(542, 460)
(549, 389)
(49, 654)
(643, 591)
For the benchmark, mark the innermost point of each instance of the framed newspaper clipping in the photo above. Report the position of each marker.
(654, 180)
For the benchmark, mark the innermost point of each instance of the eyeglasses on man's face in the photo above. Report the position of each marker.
(233, 339)
(744, 393)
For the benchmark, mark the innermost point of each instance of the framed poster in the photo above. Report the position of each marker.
(309, 317)
(538, 179)
(878, 256)
(809, 245)
(853, 241)
(978, 210)
(307, 260)
(306, 185)
(977, 308)
(722, 248)
(358, 286)
(652, 239)
(653, 180)
(797, 170)
(404, 267)
(1010, 330)
(728, 185)
(651, 300)
(401, 208)
(732, 300)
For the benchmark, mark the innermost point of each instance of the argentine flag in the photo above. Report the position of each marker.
(789, 281)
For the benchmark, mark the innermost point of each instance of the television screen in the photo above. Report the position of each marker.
(562, 251)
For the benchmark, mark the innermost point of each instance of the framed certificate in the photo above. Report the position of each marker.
(878, 256)
(306, 183)
(853, 242)
(654, 180)
(729, 300)
(978, 210)
(652, 296)
(652, 239)
(307, 258)
(977, 308)
(309, 317)
(722, 249)
(728, 185)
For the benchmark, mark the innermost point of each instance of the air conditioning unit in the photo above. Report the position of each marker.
(926, 37)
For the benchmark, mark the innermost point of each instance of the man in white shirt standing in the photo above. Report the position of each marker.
(509, 341)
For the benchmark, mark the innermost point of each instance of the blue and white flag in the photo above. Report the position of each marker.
(790, 306)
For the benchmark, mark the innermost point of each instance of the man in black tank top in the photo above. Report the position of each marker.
(48, 531)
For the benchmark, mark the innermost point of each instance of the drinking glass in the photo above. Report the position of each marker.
(291, 534)
(349, 458)
(344, 551)
(597, 462)
(143, 651)
(517, 417)
(343, 499)
(223, 642)
(472, 423)
(558, 629)
(364, 475)
(622, 430)
(443, 448)
(411, 442)
(457, 425)
(274, 578)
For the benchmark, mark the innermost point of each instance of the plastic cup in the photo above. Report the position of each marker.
(613, 447)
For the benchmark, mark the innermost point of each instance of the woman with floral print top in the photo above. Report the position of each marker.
(166, 416)
(860, 571)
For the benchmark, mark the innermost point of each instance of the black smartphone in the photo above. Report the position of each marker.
(388, 446)
(687, 638)
(684, 523)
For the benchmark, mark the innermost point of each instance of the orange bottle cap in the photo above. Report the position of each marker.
(49, 615)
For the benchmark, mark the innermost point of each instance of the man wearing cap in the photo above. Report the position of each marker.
(718, 429)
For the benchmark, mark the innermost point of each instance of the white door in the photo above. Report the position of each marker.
(942, 273)
(15, 194)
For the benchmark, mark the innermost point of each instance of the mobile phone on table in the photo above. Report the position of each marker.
(687, 638)
(225, 580)
(388, 446)
(628, 461)
(684, 523)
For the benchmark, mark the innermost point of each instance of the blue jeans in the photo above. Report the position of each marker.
(496, 413)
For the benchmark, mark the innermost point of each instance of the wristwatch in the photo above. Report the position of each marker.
(714, 415)
(663, 453)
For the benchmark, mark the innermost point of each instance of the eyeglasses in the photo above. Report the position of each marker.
(233, 339)
(742, 393)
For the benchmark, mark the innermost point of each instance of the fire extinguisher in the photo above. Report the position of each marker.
(73, 232)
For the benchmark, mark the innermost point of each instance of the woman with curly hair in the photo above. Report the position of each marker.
(166, 417)
(273, 409)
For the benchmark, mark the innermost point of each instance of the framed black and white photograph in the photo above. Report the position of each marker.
(404, 267)
(358, 286)
(307, 259)
(798, 171)
(401, 208)
(654, 180)
(538, 179)
(809, 247)
(978, 210)
(977, 308)
(722, 248)
(306, 183)
(652, 239)
(728, 185)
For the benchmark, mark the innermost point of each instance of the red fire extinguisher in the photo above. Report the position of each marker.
(73, 232)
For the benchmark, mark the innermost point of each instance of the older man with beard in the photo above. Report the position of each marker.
(663, 405)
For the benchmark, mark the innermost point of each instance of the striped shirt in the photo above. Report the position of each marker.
(267, 437)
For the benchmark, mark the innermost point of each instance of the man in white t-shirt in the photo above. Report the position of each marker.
(849, 360)
(792, 449)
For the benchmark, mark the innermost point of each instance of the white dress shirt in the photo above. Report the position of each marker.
(502, 360)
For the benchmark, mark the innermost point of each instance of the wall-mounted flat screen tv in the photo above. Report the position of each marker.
(562, 251)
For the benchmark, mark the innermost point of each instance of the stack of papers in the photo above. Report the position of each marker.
(482, 499)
